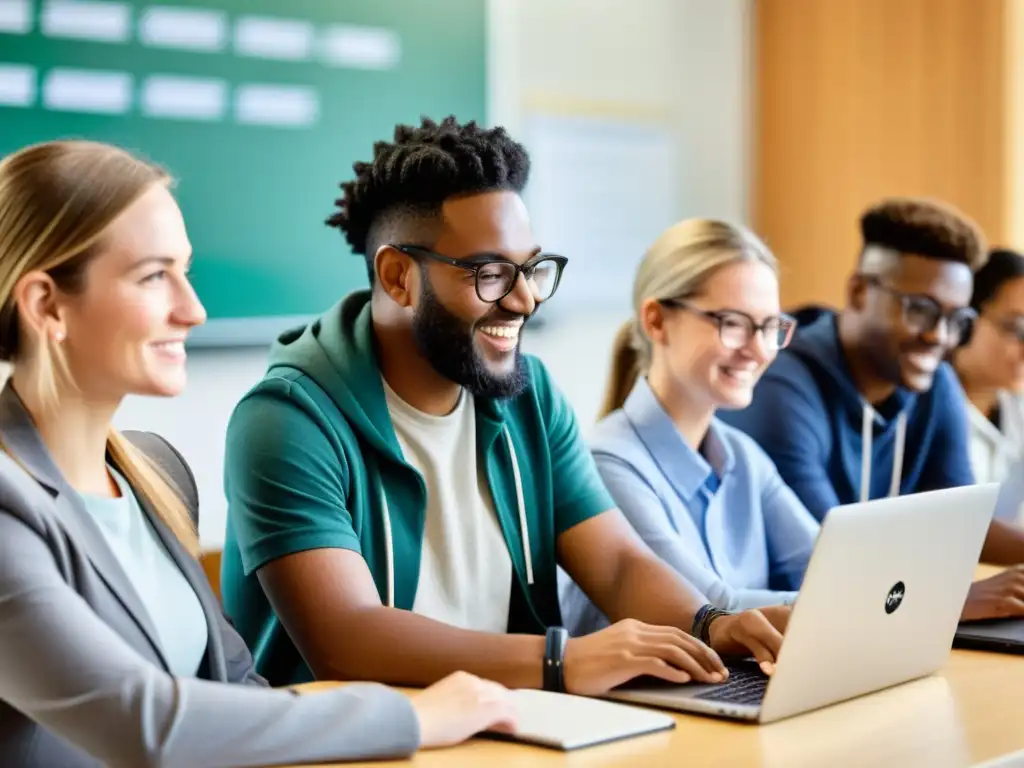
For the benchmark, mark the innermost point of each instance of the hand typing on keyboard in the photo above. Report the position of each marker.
(996, 597)
(628, 649)
(598, 662)
(757, 633)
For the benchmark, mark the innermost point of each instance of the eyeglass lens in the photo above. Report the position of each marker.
(494, 281)
(922, 316)
(736, 331)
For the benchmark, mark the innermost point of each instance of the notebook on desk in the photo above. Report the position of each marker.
(566, 722)
(879, 606)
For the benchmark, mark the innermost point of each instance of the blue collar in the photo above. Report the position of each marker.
(687, 470)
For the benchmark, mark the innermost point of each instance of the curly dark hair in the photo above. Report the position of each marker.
(409, 178)
(1003, 265)
(923, 227)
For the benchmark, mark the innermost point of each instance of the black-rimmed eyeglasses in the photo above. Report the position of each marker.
(736, 329)
(496, 276)
(923, 314)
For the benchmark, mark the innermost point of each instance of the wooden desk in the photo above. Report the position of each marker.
(969, 713)
(973, 711)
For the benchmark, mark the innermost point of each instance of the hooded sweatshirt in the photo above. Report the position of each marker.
(312, 461)
(831, 446)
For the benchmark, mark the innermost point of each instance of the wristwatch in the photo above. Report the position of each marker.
(706, 614)
(554, 656)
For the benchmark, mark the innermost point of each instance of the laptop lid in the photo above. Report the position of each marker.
(566, 722)
(879, 604)
(999, 635)
(881, 598)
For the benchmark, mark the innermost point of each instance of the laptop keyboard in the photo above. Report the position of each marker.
(746, 685)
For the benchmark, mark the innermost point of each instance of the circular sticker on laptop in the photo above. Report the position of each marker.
(895, 597)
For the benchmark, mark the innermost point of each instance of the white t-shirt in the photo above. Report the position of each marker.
(465, 573)
(997, 451)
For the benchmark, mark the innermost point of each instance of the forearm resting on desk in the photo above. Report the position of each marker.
(1004, 544)
(402, 648)
(329, 605)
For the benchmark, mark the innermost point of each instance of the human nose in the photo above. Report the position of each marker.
(758, 346)
(189, 310)
(940, 334)
(521, 299)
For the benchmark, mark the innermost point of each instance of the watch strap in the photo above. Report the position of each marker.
(706, 614)
(555, 641)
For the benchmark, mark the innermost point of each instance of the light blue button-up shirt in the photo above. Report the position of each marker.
(721, 517)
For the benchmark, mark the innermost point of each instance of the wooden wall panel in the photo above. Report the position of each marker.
(855, 100)
(1014, 89)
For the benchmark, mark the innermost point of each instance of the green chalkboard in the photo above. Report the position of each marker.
(254, 189)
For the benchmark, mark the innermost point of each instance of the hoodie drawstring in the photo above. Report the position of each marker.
(520, 502)
(389, 548)
(523, 524)
(867, 430)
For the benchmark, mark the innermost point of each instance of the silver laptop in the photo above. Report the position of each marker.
(879, 605)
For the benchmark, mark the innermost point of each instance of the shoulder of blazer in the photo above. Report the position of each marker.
(172, 463)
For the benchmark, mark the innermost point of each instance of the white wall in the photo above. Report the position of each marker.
(684, 61)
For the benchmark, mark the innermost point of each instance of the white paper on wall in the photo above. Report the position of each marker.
(600, 191)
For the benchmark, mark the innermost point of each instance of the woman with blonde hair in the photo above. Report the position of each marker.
(703, 495)
(113, 648)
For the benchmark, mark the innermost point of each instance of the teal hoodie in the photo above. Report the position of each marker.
(312, 461)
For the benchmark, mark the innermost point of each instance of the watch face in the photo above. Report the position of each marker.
(895, 597)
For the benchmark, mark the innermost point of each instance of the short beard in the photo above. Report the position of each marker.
(447, 344)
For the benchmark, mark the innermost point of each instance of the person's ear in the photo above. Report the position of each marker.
(395, 274)
(652, 321)
(39, 313)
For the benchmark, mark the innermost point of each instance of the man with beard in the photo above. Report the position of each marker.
(861, 405)
(403, 483)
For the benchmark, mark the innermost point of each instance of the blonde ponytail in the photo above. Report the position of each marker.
(148, 480)
(625, 369)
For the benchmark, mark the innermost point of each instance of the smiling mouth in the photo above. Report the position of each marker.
(501, 337)
(174, 348)
(926, 362)
(739, 375)
(502, 331)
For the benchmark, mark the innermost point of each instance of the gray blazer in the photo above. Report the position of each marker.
(83, 680)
